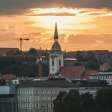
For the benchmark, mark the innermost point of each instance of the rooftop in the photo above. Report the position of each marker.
(47, 83)
(72, 72)
(102, 73)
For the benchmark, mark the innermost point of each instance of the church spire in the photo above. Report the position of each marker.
(56, 32)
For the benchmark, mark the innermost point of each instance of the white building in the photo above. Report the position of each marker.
(7, 89)
(102, 76)
(56, 55)
(38, 96)
(7, 98)
(70, 61)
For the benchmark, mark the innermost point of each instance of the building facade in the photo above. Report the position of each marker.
(7, 103)
(102, 76)
(7, 98)
(38, 96)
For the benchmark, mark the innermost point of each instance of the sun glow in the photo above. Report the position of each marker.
(65, 17)
(78, 28)
(48, 16)
(53, 11)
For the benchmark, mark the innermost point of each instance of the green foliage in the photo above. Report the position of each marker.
(79, 56)
(58, 104)
(74, 102)
(71, 101)
(104, 100)
(21, 66)
(90, 55)
(88, 103)
(67, 102)
(92, 62)
(32, 51)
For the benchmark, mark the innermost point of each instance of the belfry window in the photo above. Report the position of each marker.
(60, 62)
(52, 62)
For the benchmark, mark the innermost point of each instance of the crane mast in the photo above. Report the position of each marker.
(21, 39)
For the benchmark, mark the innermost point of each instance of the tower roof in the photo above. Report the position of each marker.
(56, 31)
(56, 48)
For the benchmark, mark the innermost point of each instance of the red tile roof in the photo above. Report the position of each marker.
(8, 77)
(105, 66)
(88, 72)
(72, 72)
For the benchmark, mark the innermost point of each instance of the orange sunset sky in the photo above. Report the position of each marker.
(82, 24)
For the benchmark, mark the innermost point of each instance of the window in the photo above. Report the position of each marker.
(52, 62)
(60, 62)
(15, 82)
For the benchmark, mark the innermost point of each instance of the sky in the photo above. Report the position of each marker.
(82, 24)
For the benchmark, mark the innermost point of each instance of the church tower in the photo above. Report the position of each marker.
(56, 55)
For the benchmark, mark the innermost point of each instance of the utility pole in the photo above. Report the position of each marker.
(21, 39)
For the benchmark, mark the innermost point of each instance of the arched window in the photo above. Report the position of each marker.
(60, 62)
(52, 62)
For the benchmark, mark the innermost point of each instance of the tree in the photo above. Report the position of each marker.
(58, 105)
(32, 51)
(17, 53)
(104, 100)
(88, 103)
(72, 101)
(90, 55)
(92, 62)
(68, 102)
(79, 55)
(19, 65)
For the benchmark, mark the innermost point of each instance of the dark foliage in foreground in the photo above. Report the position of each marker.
(74, 102)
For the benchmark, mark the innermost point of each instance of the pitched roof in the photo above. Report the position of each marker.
(72, 72)
(70, 54)
(105, 66)
(8, 77)
(46, 83)
(6, 50)
(88, 72)
(91, 83)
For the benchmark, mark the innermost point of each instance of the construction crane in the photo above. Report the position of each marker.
(21, 39)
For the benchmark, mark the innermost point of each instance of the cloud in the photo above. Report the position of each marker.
(95, 12)
(55, 14)
(69, 42)
(90, 42)
(7, 29)
(102, 24)
(23, 6)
